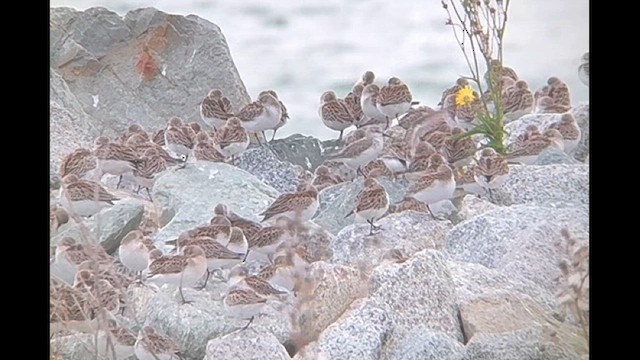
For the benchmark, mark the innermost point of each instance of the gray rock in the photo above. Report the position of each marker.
(548, 184)
(518, 126)
(316, 240)
(185, 198)
(76, 346)
(360, 333)
(107, 227)
(537, 342)
(193, 325)
(333, 289)
(69, 128)
(474, 280)
(419, 291)
(422, 343)
(337, 201)
(472, 206)
(581, 113)
(246, 345)
(555, 156)
(305, 151)
(521, 240)
(266, 166)
(162, 64)
(408, 232)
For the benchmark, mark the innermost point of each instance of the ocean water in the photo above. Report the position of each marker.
(303, 48)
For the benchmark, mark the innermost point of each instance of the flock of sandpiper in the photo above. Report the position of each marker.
(426, 148)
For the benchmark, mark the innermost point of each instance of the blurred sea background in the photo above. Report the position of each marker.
(301, 48)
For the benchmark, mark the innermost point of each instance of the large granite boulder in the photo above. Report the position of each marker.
(185, 198)
(407, 232)
(246, 345)
(421, 343)
(305, 151)
(144, 67)
(548, 184)
(107, 227)
(266, 166)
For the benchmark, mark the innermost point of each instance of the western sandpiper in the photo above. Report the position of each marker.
(219, 257)
(153, 345)
(371, 204)
(134, 251)
(408, 203)
(158, 137)
(436, 183)
(368, 101)
(232, 139)
(466, 180)
(239, 278)
(58, 216)
(116, 340)
(80, 162)
(491, 169)
(298, 206)
(269, 238)
(568, 127)
(559, 91)
(583, 69)
(457, 148)
(546, 105)
(368, 77)
(84, 197)
(527, 152)
(182, 270)
(394, 99)
(415, 116)
(176, 140)
(335, 113)
(248, 227)
(113, 158)
(244, 304)
(518, 101)
(284, 118)
(322, 178)
(205, 150)
(262, 114)
(499, 70)
(215, 109)
(362, 151)
(281, 273)
(352, 99)
(152, 163)
(460, 83)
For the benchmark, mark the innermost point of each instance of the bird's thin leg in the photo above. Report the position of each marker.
(245, 256)
(119, 181)
(149, 193)
(371, 227)
(249, 323)
(274, 135)
(205, 280)
(340, 137)
(184, 301)
(430, 212)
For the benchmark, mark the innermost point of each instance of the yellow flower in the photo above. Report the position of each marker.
(465, 96)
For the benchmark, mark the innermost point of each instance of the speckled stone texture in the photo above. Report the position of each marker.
(164, 65)
(581, 113)
(475, 280)
(408, 232)
(419, 291)
(334, 287)
(266, 166)
(472, 206)
(527, 184)
(107, 227)
(360, 333)
(337, 201)
(246, 345)
(536, 342)
(305, 151)
(193, 325)
(185, 198)
(555, 156)
(421, 343)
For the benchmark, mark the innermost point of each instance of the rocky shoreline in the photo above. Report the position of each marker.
(478, 282)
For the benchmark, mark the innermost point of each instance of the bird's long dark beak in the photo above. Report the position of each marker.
(386, 135)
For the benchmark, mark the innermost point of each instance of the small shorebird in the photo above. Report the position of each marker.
(215, 109)
(232, 139)
(284, 118)
(460, 83)
(455, 148)
(367, 78)
(491, 169)
(394, 99)
(176, 140)
(113, 158)
(559, 91)
(281, 273)
(298, 206)
(368, 101)
(335, 113)
(182, 270)
(80, 162)
(499, 71)
(152, 345)
(583, 69)
(436, 183)
(568, 127)
(84, 197)
(262, 114)
(205, 150)
(269, 238)
(116, 339)
(408, 203)
(352, 99)
(151, 164)
(362, 151)
(528, 151)
(244, 304)
(322, 178)
(248, 227)
(371, 204)
(517, 101)
(546, 105)
(134, 251)
(239, 278)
